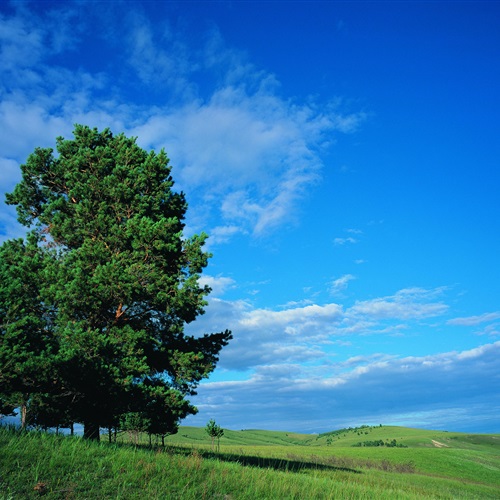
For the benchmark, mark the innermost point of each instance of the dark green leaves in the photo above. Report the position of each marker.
(106, 281)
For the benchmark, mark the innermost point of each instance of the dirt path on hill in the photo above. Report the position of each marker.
(437, 444)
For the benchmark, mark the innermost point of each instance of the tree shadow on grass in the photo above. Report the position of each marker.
(282, 464)
(292, 463)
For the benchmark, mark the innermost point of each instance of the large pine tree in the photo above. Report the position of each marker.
(116, 282)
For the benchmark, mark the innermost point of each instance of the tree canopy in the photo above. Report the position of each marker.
(94, 303)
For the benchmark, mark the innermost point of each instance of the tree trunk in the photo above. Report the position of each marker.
(91, 431)
(24, 412)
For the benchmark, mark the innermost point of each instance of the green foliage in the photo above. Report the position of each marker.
(215, 432)
(26, 342)
(347, 430)
(93, 305)
(134, 423)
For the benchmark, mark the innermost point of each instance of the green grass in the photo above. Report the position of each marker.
(252, 464)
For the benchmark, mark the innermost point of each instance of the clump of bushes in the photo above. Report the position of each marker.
(380, 442)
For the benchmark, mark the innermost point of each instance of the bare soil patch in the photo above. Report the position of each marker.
(437, 444)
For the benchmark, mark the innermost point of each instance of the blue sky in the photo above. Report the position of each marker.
(342, 156)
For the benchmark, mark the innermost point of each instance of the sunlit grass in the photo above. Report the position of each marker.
(34, 464)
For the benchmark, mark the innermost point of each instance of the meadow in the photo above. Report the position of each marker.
(366, 462)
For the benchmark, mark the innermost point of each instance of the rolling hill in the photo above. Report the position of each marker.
(403, 436)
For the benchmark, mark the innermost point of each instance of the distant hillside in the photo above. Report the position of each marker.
(382, 435)
(197, 435)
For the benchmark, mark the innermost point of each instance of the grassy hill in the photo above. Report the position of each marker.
(197, 435)
(404, 437)
(254, 464)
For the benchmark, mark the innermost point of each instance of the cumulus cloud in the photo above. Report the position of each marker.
(450, 390)
(309, 330)
(264, 335)
(218, 284)
(306, 316)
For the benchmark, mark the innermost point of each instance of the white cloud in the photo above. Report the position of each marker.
(248, 154)
(20, 44)
(255, 153)
(475, 320)
(406, 304)
(10, 174)
(452, 391)
(26, 125)
(222, 234)
(341, 283)
(309, 328)
(159, 58)
(262, 335)
(301, 316)
(492, 330)
(343, 241)
(218, 284)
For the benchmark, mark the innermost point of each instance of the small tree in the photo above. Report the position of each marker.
(134, 423)
(215, 432)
